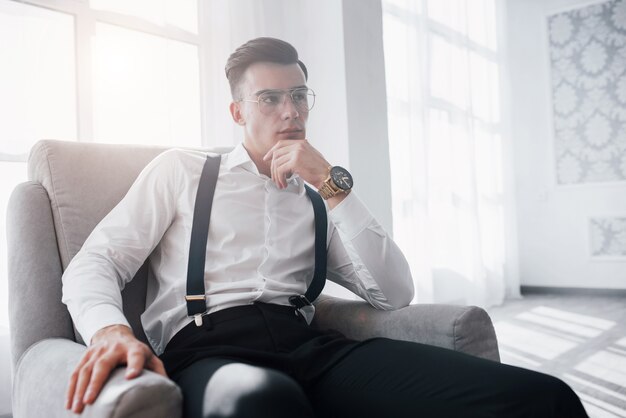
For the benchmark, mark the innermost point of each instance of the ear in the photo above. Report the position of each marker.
(236, 113)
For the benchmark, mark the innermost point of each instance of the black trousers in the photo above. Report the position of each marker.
(264, 360)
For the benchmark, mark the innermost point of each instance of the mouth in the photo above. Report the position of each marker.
(291, 133)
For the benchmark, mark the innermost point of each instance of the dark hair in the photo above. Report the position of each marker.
(259, 50)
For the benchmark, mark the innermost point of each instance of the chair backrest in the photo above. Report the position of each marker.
(72, 186)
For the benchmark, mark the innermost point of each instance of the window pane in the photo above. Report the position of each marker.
(449, 72)
(484, 88)
(412, 6)
(37, 77)
(450, 13)
(11, 175)
(146, 89)
(481, 23)
(180, 13)
(397, 37)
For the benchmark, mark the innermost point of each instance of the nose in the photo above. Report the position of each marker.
(289, 110)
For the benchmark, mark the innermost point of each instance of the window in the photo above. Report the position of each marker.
(443, 84)
(100, 70)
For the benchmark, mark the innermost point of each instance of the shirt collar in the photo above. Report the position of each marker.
(239, 157)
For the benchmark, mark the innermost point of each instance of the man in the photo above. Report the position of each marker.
(252, 354)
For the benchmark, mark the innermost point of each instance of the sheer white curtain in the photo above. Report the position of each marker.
(446, 136)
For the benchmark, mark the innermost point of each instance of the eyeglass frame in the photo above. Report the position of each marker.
(290, 91)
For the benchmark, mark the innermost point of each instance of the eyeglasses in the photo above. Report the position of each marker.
(269, 101)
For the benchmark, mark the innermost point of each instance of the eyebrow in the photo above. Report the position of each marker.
(289, 89)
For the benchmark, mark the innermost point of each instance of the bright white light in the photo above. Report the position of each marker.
(481, 23)
(539, 344)
(180, 13)
(559, 325)
(598, 408)
(621, 342)
(449, 75)
(580, 381)
(146, 89)
(450, 13)
(37, 76)
(606, 366)
(587, 320)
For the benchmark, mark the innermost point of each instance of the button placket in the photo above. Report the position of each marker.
(266, 232)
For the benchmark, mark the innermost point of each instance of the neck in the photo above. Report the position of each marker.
(257, 159)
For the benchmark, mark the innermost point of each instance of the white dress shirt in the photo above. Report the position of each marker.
(260, 247)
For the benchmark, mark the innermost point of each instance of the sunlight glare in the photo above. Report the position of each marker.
(533, 342)
(606, 366)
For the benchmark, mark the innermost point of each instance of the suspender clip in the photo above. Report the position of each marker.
(197, 317)
(299, 301)
(303, 307)
(195, 297)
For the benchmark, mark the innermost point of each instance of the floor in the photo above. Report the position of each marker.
(580, 339)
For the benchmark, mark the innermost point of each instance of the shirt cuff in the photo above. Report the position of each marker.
(351, 216)
(98, 317)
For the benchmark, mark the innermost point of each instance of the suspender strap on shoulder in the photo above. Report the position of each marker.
(196, 299)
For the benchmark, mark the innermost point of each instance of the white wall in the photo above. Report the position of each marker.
(552, 220)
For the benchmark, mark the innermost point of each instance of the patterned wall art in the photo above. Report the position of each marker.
(608, 237)
(588, 68)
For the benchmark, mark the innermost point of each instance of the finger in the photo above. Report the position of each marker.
(100, 373)
(70, 390)
(136, 359)
(155, 364)
(283, 169)
(81, 386)
(278, 152)
(274, 173)
(278, 175)
(270, 152)
(281, 144)
(74, 379)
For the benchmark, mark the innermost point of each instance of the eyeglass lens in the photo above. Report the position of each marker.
(303, 99)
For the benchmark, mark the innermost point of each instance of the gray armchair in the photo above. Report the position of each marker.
(72, 187)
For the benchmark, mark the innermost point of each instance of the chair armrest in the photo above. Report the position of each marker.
(461, 328)
(43, 373)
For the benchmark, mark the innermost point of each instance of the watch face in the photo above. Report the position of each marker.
(341, 177)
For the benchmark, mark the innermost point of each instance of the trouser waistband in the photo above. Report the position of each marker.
(229, 314)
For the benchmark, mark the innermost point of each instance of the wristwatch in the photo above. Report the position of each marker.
(338, 181)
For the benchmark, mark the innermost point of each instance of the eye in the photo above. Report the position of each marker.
(299, 96)
(270, 98)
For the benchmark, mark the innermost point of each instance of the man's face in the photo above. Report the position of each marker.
(261, 129)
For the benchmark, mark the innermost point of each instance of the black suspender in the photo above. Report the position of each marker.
(196, 298)
(319, 277)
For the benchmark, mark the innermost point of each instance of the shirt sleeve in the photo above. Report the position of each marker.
(118, 246)
(363, 258)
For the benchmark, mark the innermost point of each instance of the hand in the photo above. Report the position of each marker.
(110, 347)
(296, 157)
